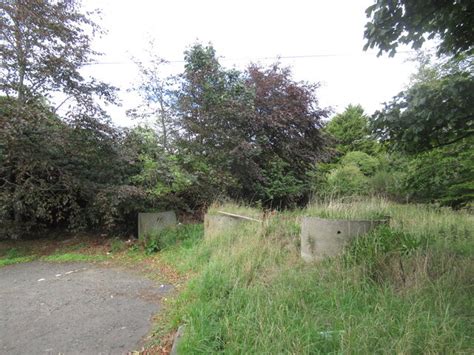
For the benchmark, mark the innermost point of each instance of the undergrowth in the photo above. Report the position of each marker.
(174, 237)
(403, 289)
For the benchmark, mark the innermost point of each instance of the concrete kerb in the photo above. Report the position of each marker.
(321, 238)
(177, 340)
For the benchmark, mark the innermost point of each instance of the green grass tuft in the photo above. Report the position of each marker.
(181, 235)
(15, 260)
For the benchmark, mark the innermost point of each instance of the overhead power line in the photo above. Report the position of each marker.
(308, 56)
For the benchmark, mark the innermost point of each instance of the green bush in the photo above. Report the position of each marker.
(346, 180)
(279, 185)
(387, 183)
(442, 175)
(365, 162)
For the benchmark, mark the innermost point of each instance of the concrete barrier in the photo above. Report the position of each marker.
(219, 223)
(154, 222)
(322, 238)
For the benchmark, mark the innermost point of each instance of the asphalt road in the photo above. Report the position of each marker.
(74, 308)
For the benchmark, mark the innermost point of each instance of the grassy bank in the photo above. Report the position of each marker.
(403, 289)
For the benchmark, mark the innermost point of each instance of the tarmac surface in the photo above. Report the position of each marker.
(75, 308)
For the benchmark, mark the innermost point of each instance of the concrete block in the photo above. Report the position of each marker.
(219, 223)
(214, 224)
(322, 238)
(154, 222)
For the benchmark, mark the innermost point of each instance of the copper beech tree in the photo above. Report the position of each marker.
(257, 132)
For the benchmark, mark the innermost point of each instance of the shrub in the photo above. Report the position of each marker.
(387, 183)
(442, 175)
(115, 208)
(365, 162)
(346, 180)
(279, 185)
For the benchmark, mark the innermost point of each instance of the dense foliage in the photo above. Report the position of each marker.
(394, 22)
(65, 170)
(423, 152)
(251, 135)
(55, 174)
(255, 135)
(43, 44)
(436, 110)
(352, 131)
(253, 132)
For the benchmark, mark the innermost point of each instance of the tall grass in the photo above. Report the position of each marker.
(252, 293)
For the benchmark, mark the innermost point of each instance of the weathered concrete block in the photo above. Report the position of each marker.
(219, 223)
(154, 222)
(322, 238)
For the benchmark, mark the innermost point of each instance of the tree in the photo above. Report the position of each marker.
(212, 106)
(157, 93)
(352, 131)
(56, 171)
(247, 129)
(286, 132)
(157, 171)
(436, 110)
(367, 164)
(443, 175)
(43, 44)
(346, 180)
(56, 175)
(394, 22)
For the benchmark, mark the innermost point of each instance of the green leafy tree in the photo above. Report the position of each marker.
(352, 132)
(394, 22)
(211, 105)
(56, 171)
(56, 175)
(443, 175)
(157, 171)
(436, 110)
(43, 44)
(157, 94)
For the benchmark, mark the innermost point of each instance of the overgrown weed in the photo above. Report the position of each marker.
(403, 289)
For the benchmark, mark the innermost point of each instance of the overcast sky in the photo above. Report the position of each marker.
(328, 32)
